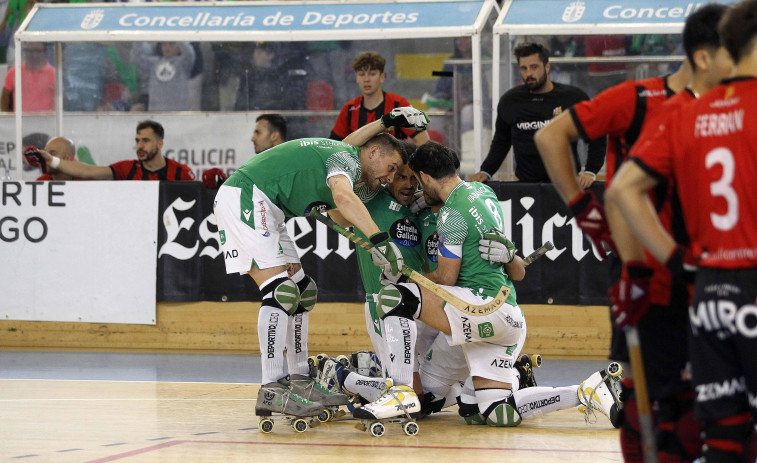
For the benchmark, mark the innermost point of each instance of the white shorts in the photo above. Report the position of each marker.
(443, 362)
(492, 342)
(252, 229)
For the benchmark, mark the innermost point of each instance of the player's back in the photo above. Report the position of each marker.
(471, 210)
(715, 166)
(293, 174)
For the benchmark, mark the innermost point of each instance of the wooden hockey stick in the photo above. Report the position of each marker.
(456, 302)
(545, 248)
(646, 426)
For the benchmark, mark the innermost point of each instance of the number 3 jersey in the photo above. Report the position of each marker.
(710, 148)
(471, 210)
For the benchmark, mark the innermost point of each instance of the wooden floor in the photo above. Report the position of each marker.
(138, 422)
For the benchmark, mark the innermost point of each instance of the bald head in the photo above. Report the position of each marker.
(61, 147)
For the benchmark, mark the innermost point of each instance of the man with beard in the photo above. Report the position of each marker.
(150, 165)
(523, 110)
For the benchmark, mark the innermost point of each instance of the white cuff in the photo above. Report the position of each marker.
(590, 173)
(55, 162)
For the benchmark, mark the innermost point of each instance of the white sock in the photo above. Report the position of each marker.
(297, 344)
(468, 394)
(364, 386)
(535, 401)
(400, 334)
(272, 333)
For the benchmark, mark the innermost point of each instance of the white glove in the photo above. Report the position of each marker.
(496, 248)
(388, 278)
(419, 203)
(386, 255)
(406, 117)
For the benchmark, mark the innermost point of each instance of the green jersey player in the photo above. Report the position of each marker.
(286, 181)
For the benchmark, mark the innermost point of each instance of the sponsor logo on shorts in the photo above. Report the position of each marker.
(263, 218)
(222, 234)
(429, 355)
(502, 363)
(485, 330)
(515, 324)
(273, 320)
(724, 318)
(714, 391)
(467, 330)
(246, 213)
(510, 349)
(537, 404)
(231, 254)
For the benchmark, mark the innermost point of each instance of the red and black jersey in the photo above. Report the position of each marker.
(133, 170)
(621, 112)
(709, 147)
(354, 115)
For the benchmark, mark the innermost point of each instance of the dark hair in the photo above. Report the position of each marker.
(155, 126)
(701, 30)
(369, 60)
(435, 159)
(532, 48)
(409, 147)
(387, 143)
(738, 29)
(276, 123)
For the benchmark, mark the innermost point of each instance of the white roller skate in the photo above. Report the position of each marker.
(277, 398)
(397, 404)
(600, 392)
(366, 363)
(309, 389)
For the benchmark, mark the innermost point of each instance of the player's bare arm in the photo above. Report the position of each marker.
(516, 269)
(76, 168)
(352, 208)
(628, 192)
(553, 142)
(446, 272)
(361, 136)
(336, 216)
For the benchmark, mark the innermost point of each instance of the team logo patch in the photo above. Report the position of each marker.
(573, 12)
(510, 349)
(430, 354)
(485, 330)
(222, 234)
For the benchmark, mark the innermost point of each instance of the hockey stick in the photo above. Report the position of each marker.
(648, 446)
(456, 302)
(545, 248)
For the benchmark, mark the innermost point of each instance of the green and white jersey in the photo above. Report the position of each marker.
(293, 174)
(429, 239)
(471, 210)
(392, 217)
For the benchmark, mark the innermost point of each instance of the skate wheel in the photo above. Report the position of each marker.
(410, 428)
(266, 425)
(614, 369)
(312, 361)
(377, 429)
(536, 360)
(344, 360)
(321, 358)
(325, 415)
(300, 425)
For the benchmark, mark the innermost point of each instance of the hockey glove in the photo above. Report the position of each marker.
(629, 296)
(385, 254)
(406, 117)
(34, 158)
(590, 216)
(496, 248)
(682, 265)
(213, 178)
(419, 203)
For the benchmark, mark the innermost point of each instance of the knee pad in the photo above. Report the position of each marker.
(399, 300)
(308, 294)
(725, 439)
(282, 293)
(503, 414)
(469, 412)
(679, 433)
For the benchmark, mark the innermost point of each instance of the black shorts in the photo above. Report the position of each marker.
(664, 336)
(723, 321)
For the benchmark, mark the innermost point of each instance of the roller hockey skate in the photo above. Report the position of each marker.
(397, 404)
(277, 398)
(316, 363)
(366, 363)
(600, 392)
(525, 366)
(309, 389)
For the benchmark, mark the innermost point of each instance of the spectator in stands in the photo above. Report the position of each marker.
(37, 80)
(263, 83)
(270, 130)
(150, 165)
(374, 101)
(602, 76)
(62, 148)
(123, 81)
(15, 13)
(169, 66)
(83, 76)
